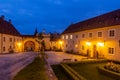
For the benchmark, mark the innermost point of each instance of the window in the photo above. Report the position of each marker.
(99, 34)
(111, 33)
(62, 37)
(119, 43)
(14, 39)
(76, 36)
(66, 45)
(10, 47)
(90, 34)
(10, 39)
(71, 36)
(83, 35)
(66, 36)
(4, 39)
(82, 47)
(3, 48)
(111, 50)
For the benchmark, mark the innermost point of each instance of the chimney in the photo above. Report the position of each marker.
(10, 21)
(2, 17)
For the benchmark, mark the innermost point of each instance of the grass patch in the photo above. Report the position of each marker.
(34, 71)
(90, 71)
(59, 72)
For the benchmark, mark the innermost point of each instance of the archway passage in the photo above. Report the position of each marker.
(29, 46)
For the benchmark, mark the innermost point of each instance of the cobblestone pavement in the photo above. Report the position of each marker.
(10, 64)
(58, 57)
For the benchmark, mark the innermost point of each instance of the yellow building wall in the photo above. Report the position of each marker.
(76, 44)
(7, 43)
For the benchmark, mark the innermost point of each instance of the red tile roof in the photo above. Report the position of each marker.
(7, 28)
(105, 20)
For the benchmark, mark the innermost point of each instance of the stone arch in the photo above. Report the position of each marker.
(30, 44)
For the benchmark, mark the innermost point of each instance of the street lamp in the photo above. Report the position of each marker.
(60, 43)
(88, 43)
(19, 44)
(100, 44)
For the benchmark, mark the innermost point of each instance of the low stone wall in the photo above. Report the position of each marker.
(10, 67)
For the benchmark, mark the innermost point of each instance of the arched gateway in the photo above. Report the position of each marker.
(29, 46)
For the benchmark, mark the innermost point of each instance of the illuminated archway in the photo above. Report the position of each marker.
(29, 46)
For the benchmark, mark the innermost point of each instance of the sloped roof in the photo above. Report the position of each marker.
(105, 20)
(7, 28)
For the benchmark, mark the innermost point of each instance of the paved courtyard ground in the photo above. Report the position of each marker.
(10, 64)
(58, 57)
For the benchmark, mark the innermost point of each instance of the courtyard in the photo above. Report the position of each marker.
(58, 57)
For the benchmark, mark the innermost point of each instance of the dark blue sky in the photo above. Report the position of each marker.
(52, 15)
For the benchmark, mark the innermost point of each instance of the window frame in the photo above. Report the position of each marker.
(111, 50)
(90, 36)
(111, 36)
(99, 34)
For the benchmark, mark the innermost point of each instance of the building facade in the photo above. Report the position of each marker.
(12, 41)
(98, 37)
(9, 37)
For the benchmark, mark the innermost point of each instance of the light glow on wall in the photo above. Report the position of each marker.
(88, 43)
(100, 44)
(19, 44)
(76, 46)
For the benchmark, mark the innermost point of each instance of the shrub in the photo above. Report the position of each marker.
(113, 67)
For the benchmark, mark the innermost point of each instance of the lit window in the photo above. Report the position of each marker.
(90, 34)
(99, 34)
(62, 37)
(111, 50)
(71, 36)
(111, 33)
(66, 36)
